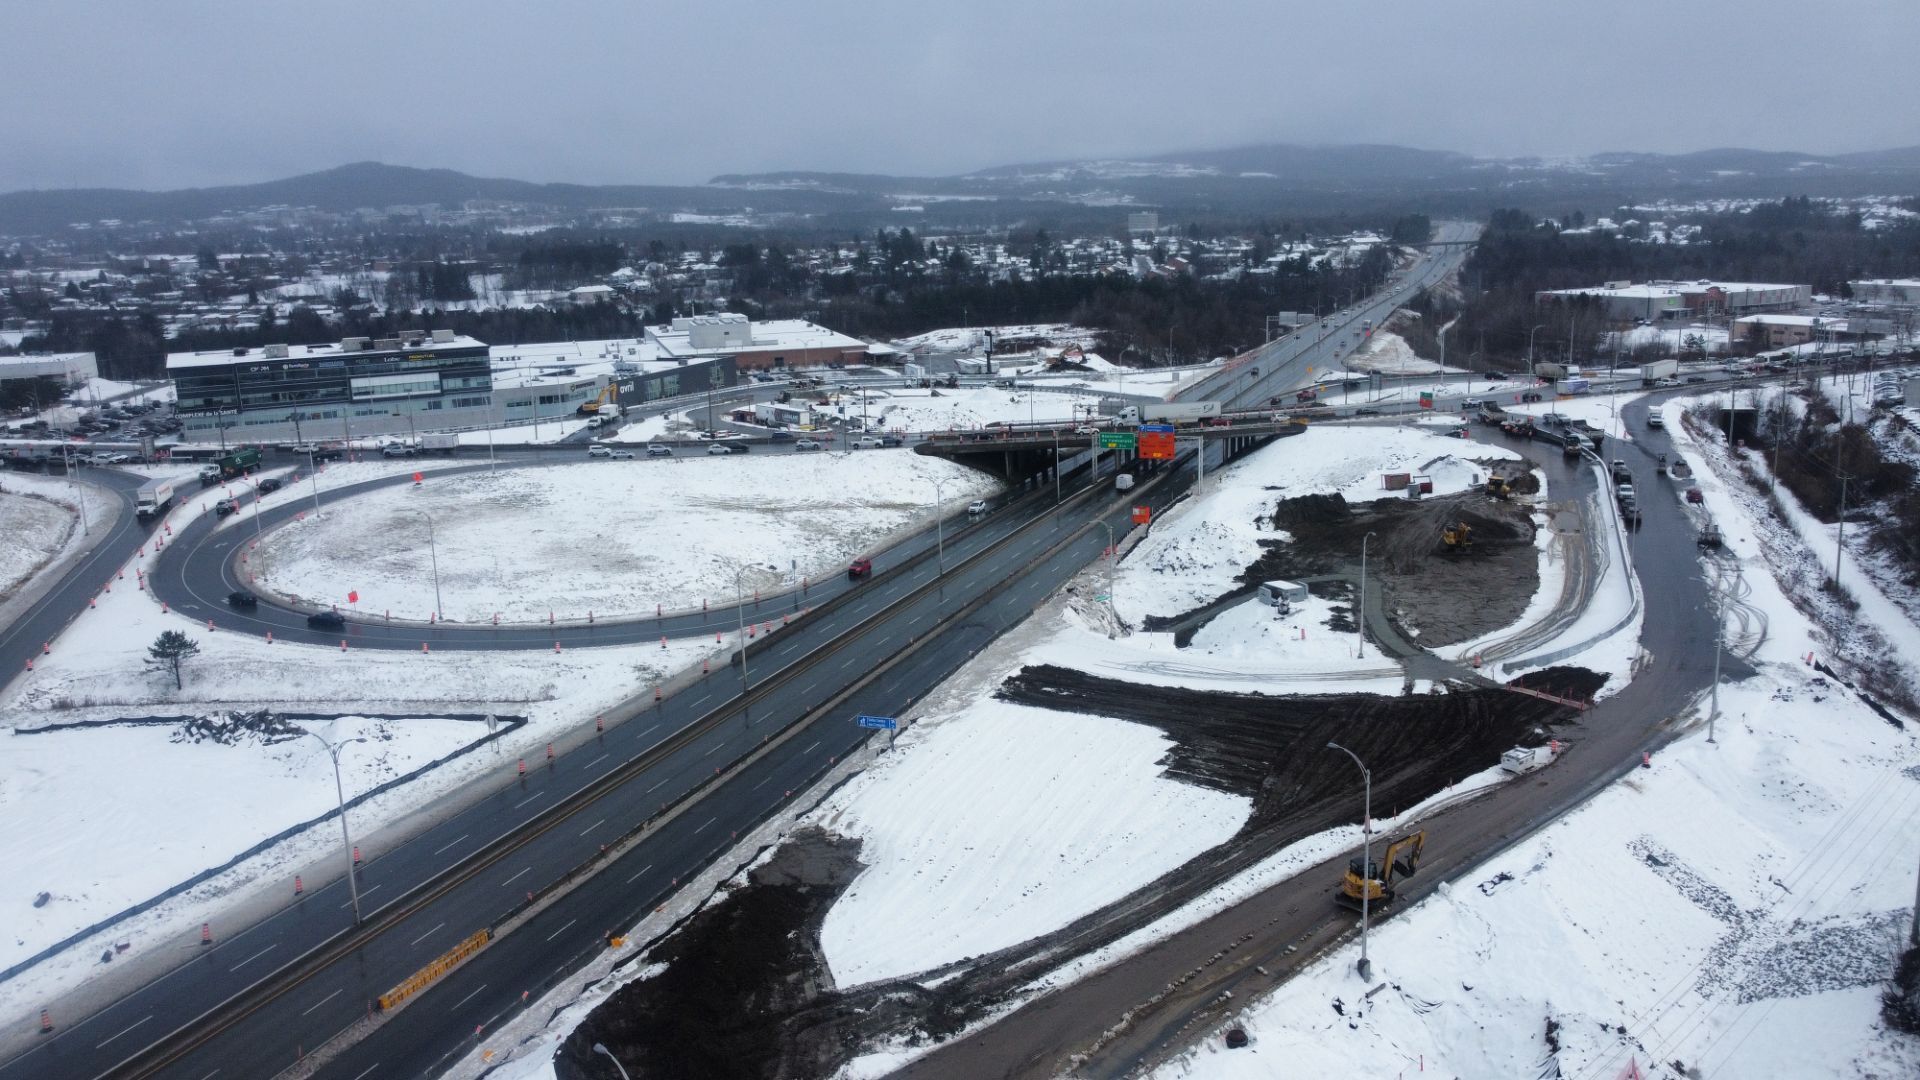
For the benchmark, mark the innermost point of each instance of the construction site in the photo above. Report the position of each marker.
(1443, 569)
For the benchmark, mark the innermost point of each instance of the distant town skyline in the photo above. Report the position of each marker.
(126, 94)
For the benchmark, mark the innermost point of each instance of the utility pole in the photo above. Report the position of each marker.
(1365, 967)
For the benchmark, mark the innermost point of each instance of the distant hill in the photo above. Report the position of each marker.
(373, 185)
(1262, 178)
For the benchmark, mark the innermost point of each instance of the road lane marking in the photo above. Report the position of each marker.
(702, 828)
(851, 660)
(363, 895)
(643, 870)
(596, 761)
(369, 1072)
(515, 877)
(593, 826)
(562, 930)
(469, 997)
(662, 781)
(321, 1002)
(254, 957)
(711, 749)
(528, 799)
(450, 843)
(427, 935)
(124, 1030)
(763, 782)
(810, 747)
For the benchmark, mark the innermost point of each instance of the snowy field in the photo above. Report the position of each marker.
(1389, 354)
(1672, 340)
(608, 537)
(1001, 823)
(970, 408)
(96, 671)
(33, 529)
(960, 338)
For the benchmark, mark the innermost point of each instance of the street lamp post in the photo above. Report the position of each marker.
(940, 522)
(1365, 967)
(740, 613)
(1113, 556)
(1530, 334)
(1360, 609)
(600, 1048)
(433, 553)
(340, 793)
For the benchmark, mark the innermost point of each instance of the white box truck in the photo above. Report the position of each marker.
(152, 499)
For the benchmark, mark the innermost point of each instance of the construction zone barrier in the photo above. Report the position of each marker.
(430, 974)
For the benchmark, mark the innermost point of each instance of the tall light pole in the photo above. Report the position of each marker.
(340, 793)
(740, 612)
(1360, 609)
(1113, 557)
(433, 553)
(601, 1048)
(940, 522)
(1365, 967)
(1530, 334)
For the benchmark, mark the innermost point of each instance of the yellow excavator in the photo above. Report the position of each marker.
(1457, 537)
(1400, 860)
(1498, 487)
(606, 396)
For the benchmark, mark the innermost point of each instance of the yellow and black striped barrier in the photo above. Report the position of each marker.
(430, 974)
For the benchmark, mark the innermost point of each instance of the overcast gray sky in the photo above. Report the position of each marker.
(157, 94)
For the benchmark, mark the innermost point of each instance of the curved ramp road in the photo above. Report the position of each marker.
(108, 548)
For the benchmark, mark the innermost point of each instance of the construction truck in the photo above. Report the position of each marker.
(1499, 488)
(592, 405)
(1456, 538)
(1375, 883)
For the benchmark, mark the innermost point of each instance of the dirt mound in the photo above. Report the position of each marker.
(746, 992)
(1273, 749)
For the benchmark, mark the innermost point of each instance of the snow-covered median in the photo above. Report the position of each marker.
(33, 529)
(608, 537)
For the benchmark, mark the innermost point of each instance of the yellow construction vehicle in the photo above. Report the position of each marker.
(1498, 487)
(604, 397)
(1401, 859)
(1457, 537)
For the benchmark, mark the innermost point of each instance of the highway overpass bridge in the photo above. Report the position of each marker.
(1021, 453)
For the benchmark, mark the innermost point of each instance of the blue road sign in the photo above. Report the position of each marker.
(881, 723)
(1162, 429)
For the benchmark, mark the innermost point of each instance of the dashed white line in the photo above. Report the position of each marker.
(319, 1003)
(427, 935)
(702, 828)
(763, 782)
(362, 1076)
(562, 930)
(254, 957)
(656, 786)
(515, 877)
(450, 843)
(364, 893)
(711, 749)
(123, 1031)
(469, 997)
(596, 761)
(851, 660)
(643, 870)
(810, 747)
(528, 799)
(593, 826)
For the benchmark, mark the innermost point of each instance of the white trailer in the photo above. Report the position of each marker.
(1173, 412)
(1525, 759)
(152, 499)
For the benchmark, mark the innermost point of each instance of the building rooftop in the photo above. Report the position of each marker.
(772, 334)
(48, 359)
(438, 340)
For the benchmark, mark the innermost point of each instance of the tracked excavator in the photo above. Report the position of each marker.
(1400, 860)
(1498, 487)
(1457, 538)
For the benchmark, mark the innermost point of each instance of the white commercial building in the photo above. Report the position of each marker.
(1624, 301)
(70, 367)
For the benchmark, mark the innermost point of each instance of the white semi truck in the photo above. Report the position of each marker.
(152, 499)
(1169, 412)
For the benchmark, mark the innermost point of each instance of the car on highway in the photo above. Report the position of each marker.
(1694, 496)
(598, 451)
(717, 448)
(659, 450)
(243, 600)
(868, 442)
(225, 507)
(1654, 420)
(623, 455)
(1087, 429)
(1695, 378)
(859, 568)
(808, 444)
(1366, 411)
(326, 620)
(270, 485)
(977, 507)
(396, 450)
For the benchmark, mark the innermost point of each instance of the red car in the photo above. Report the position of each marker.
(860, 568)
(1694, 496)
